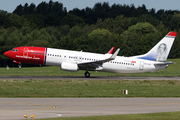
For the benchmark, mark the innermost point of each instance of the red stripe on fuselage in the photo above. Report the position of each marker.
(28, 54)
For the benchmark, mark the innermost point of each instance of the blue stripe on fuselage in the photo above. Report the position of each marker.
(45, 56)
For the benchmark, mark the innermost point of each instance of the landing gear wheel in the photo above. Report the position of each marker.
(19, 66)
(87, 74)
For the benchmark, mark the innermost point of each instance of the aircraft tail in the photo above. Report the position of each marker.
(161, 50)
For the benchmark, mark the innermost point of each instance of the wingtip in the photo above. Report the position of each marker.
(111, 50)
(115, 54)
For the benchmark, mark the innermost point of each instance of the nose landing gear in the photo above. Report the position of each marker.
(19, 66)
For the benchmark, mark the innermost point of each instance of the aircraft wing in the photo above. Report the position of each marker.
(97, 64)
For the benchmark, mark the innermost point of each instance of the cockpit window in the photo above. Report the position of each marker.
(15, 50)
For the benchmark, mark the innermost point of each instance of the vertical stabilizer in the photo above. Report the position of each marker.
(161, 50)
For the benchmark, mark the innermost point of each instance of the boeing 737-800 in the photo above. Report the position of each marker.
(69, 60)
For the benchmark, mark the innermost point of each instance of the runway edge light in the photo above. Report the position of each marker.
(25, 116)
(32, 116)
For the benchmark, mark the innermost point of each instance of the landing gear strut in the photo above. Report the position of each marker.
(20, 65)
(87, 74)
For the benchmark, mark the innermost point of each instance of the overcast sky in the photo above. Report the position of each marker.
(10, 5)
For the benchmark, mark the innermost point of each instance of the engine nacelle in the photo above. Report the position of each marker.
(69, 66)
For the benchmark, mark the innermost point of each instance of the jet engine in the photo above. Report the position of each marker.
(69, 66)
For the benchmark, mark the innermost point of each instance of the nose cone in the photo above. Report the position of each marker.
(7, 53)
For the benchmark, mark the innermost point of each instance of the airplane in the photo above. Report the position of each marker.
(69, 60)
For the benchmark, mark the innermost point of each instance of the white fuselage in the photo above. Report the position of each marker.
(55, 57)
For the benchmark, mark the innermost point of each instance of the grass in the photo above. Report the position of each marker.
(89, 88)
(172, 70)
(150, 116)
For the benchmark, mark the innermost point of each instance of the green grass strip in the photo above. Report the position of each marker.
(89, 88)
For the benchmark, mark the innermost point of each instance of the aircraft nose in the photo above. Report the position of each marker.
(7, 53)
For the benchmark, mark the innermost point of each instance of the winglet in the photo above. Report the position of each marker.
(111, 50)
(115, 54)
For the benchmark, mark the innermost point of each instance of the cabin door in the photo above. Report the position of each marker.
(141, 66)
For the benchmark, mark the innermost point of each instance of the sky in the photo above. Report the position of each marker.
(10, 5)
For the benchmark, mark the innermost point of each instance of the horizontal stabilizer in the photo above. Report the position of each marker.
(163, 63)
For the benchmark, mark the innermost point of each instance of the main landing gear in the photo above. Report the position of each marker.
(87, 74)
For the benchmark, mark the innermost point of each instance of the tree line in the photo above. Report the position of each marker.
(97, 29)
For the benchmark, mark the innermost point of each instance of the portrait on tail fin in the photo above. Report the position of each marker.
(161, 52)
